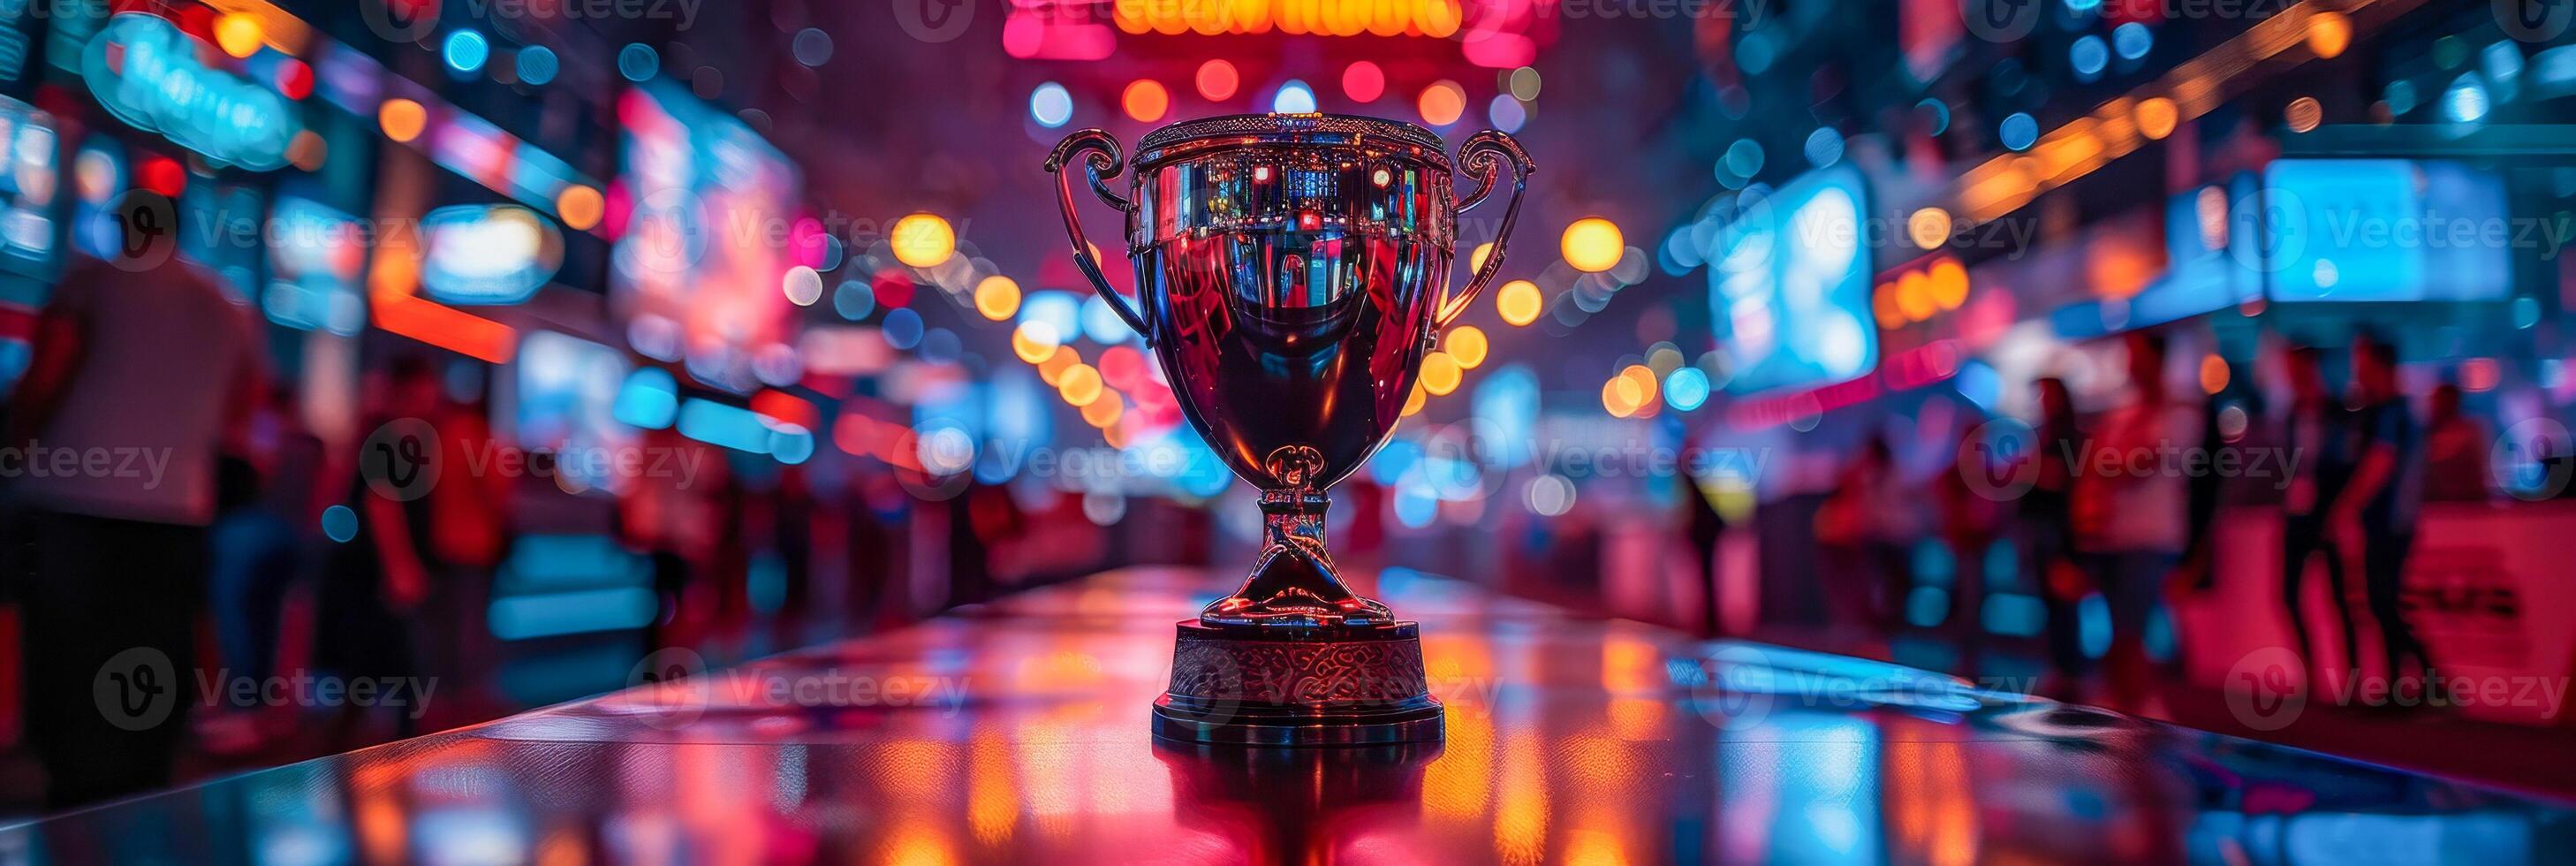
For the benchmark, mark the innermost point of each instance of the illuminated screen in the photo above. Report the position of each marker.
(563, 399)
(315, 256)
(28, 192)
(697, 278)
(1789, 287)
(487, 254)
(2385, 230)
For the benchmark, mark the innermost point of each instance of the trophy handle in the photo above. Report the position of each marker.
(1104, 157)
(1492, 151)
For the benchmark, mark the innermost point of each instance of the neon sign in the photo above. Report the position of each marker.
(487, 254)
(145, 71)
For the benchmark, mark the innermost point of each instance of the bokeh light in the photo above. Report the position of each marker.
(1466, 343)
(2019, 130)
(1294, 97)
(1051, 105)
(1440, 373)
(538, 65)
(2156, 117)
(1686, 388)
(638, 62)
(1058, 363)
(922, 240)
(802, 286)
(1928, 228)
(1593, 244)
(1442, 103)
(466, 51)
(1145, 100)
(1035, 342)
(239, 34)
(1363, 81)
(1079, 384)
(1506, 113)
(1104, 411)
(581, 207)
(1217, 80)
(2329, 33)
(1519, 302)
(402, 119)
(997, 297)
(2303, 114)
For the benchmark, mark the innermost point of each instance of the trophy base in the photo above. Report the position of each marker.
(1306, 687)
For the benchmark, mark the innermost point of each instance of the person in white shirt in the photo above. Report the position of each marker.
(140, 370)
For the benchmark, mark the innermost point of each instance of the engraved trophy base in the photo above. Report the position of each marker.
(1310, 686)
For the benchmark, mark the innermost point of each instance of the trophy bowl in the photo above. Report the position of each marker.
(1292, 270)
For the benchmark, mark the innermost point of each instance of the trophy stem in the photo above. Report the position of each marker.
(1294, 584)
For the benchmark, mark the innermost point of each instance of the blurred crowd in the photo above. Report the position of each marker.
(2120, 508)
(217, 534)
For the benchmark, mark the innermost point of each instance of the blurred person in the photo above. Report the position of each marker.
(1706, 527)
(256, 557)
(153, 367)
(268, 506)
(373, 582)
(467, 533)
(2317, 429)
(1868, 527)
(2456, 450)
(2046, 522)
(2376, 508)
(2131, 510)
(875, 562)
(796, 511)
(671, 518)
(1971, 522)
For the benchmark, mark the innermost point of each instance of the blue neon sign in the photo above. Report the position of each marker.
(145, 71)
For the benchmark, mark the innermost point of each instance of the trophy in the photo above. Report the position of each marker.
(1290, 270)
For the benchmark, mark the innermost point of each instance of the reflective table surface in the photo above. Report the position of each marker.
(1017, 732)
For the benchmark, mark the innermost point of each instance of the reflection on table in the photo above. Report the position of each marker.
(1017, 732)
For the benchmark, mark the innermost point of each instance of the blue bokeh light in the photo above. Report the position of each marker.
(1051, 105)
(1294, 98)
(466, 51)
(638, 61)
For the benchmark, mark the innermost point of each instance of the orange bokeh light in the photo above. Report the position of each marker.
(1443, 103)
(1146, 100)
